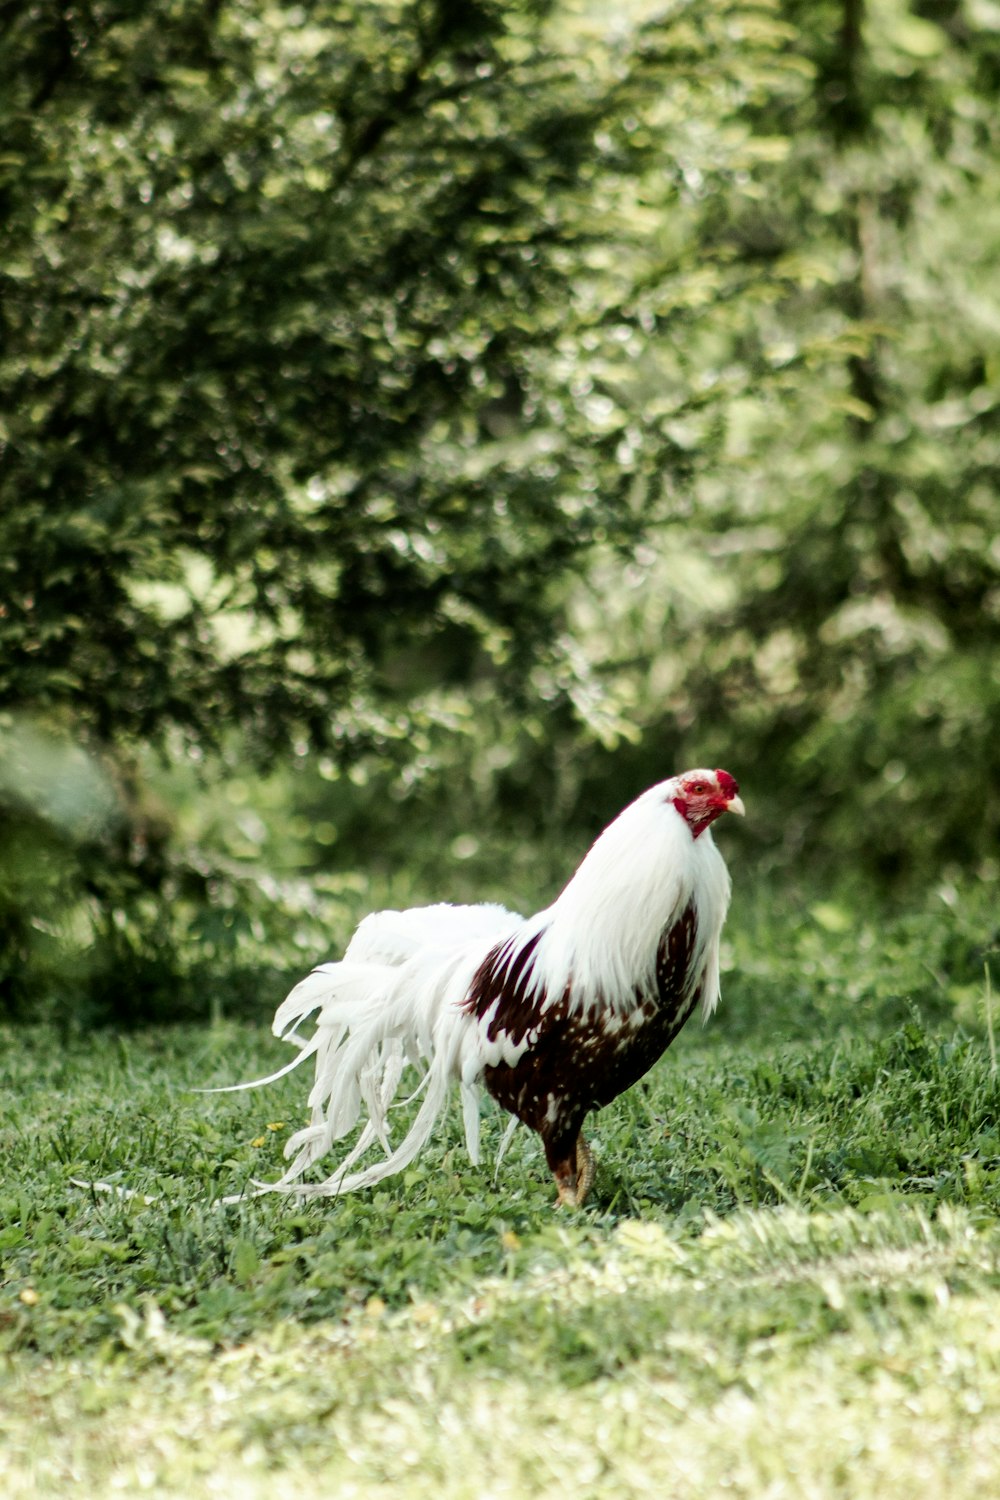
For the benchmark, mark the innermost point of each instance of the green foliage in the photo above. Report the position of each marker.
(312, 325)
(475, 412)
(282, 303)
(831, 604)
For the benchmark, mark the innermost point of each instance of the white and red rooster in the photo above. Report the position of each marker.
(554, 1015)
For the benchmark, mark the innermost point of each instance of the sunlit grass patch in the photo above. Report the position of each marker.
(780, 1352)
(788, 1282)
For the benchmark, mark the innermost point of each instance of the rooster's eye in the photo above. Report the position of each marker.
(698, 788)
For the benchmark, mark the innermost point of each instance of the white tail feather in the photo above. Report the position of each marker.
(373, 1019)
(308, 1049)
(505, 1141)
(470, 1119)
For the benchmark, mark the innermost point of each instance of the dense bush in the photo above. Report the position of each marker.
(483, 408)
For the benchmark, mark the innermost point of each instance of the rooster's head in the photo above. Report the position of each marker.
(702, 796)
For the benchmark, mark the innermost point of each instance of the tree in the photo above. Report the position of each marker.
(313, 324)
(831, 606)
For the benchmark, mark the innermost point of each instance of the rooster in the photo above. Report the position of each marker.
(554, 1015)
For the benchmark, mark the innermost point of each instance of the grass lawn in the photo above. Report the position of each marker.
(788, 1283)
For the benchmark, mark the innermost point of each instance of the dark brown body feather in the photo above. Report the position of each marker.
(578, 1062)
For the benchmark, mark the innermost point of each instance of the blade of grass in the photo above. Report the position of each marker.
(989, 1021)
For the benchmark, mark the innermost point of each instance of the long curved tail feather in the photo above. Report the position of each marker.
(372, 1019)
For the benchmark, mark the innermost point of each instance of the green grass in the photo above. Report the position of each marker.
(788, 1282)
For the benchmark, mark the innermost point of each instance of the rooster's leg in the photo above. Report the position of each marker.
(585, 1169)
(574, 1176)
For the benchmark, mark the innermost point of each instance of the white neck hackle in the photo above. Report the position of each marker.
(600, 937)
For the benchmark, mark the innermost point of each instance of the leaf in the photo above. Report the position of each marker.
(246, 1261)
(831, 917)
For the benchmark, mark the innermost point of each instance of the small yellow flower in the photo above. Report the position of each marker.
(29, 1296)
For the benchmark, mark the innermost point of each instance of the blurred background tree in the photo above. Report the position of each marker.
(849, 657)
(487, 407)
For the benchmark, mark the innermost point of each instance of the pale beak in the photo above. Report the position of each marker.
(735, 804)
